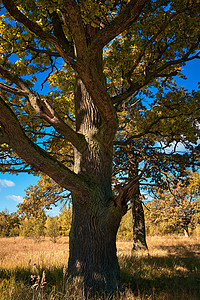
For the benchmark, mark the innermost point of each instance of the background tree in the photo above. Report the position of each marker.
(65, 220)
(177, 208)
(9, 224)
(33, 226)
(66, 42)
(42, 195)
(170, 122)
(52, 228)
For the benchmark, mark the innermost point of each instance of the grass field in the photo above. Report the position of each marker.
(169, 270)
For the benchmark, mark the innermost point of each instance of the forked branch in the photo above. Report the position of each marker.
(43, 109)
(124, 19)
(127, 192)
(36, 156)
(65, 50)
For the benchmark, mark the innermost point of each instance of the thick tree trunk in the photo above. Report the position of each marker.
(95, 221)
(139, 233)
(138, 222)
(92, 246)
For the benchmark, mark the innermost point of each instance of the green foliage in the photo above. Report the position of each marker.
(34, 226)
(125, 231)
(155, 47)
(52, 228)
(125, 54)
(65, 219)
(41, 196)
(175, 209)
(9, 224)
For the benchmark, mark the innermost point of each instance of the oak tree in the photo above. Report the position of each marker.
(67, 44)
(165, 136)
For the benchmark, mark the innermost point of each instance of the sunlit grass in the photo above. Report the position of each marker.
(169, 270)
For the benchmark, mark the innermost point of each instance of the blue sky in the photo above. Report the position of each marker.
(12, 187)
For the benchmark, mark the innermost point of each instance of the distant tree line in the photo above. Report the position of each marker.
(36, 225)
(157, 223)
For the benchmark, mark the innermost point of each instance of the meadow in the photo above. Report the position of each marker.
(170, 269)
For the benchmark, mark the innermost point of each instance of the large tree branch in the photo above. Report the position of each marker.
(65, 48)
(159, 72)
(11, 89)
(102, 101)
(73, 20)
(31, 25)
(91, 72)
(59, 33)
(127, 192)
(3, 137)
(43, 109)
(36, 156)
(87, 71)
(124, 19)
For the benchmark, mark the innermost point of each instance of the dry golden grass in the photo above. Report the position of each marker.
(170, 269)
(23, 252)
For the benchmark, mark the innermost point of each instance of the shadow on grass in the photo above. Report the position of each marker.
(181, 250)
(26, 284)
(54, 276)
(175, 276)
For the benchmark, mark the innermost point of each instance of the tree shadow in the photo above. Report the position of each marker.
(174, 276)
(54, 276)
(181, 249)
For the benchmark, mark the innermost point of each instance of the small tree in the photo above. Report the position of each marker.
(65, 220)
(52, 228)
(9, 224)
(34, 226)
(41, 196)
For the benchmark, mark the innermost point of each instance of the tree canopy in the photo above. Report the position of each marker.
(155, 46)
(74, 75)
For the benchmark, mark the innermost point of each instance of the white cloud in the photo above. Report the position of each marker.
(52, 213)
(146, 196)
(15, 198)
(6, 183)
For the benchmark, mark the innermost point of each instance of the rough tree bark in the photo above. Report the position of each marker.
(139, 232)
(92, 246)
(138, 221)
(95, 219)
